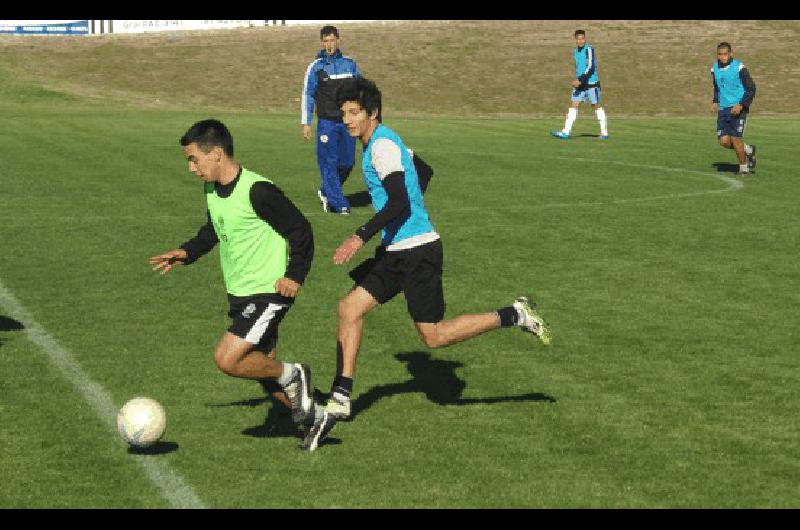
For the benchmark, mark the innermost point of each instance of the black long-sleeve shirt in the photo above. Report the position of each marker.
(271, 205)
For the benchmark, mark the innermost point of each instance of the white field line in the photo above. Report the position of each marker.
(172, 487)
(733, 184)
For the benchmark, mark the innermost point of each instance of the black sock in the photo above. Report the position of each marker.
(343, 386)
(508, 317)
(270, 386)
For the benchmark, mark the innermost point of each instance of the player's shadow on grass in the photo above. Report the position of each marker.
(436, 379)
(278, 423)
(9, 324)
(586, 135)
(726, 167)
(158, 448)
(359, 199)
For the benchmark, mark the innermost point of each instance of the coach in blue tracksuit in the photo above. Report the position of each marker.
(734, 91)
(335, 147)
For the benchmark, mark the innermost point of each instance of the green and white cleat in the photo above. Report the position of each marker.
(531, 321)
(337, 409)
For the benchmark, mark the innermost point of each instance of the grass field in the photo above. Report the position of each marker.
(671, 284)
(671, 287)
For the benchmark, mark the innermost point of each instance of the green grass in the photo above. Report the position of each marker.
(672, 381)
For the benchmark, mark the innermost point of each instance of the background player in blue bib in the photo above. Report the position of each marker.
(734, 91)
(586, 85)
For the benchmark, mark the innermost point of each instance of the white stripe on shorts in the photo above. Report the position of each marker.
(262, 324)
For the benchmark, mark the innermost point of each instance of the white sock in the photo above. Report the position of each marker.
(748, 149)
(286, 375)
(601, 117)
(743, 168)
(572, 115)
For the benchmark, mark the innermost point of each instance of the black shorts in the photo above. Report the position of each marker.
(730, 125)
(256, 318)
(417, 272)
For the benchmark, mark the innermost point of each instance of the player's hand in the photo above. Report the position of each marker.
(714, 107)
(347, 250)
(576, 83)
(307, 132)
(165, 262)
(736, 110)
(287, 287)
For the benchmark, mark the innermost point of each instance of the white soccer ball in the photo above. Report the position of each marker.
(141, 421)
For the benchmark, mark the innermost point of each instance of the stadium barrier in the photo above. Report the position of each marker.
(44, 27)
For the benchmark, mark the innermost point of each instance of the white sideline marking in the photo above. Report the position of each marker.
(172, 486)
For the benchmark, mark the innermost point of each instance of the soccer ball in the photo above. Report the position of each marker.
(141, 421)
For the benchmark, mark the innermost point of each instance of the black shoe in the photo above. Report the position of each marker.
(751, 159)
(318, 432)
(299, 393)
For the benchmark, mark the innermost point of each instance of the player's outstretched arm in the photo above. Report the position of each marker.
(166, 261)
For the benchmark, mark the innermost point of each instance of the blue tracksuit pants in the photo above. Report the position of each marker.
(335, 157)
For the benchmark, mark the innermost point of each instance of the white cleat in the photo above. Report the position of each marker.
(531, 321)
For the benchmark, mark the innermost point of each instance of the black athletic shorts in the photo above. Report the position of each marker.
(417, 272)
(256, 318)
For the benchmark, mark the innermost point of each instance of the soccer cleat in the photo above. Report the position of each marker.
(318, 432)
(560, 134)
(743, 173)
(299, 393)
(751, 159)
(604, 137)
(337, 409)
(323, 200)
(345, 211)
(532, 322)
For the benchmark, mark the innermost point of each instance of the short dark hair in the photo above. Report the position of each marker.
(208, 134)
(328, 30)
(362, 91)
(724, 45)
(579, 32)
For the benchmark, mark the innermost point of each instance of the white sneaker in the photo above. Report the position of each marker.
(323, 200)
(531, 321)
(337, 409)
(299, 393)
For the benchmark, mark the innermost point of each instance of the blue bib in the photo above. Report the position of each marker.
(417, 221)
(731, 89)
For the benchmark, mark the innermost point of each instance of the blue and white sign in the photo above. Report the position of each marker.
(44, 27)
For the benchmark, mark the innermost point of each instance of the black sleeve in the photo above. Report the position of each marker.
(202, 243)
(749, 87)
(397, 205)
(583, 79)
(424, 172)
(716, 88)
(271, 205)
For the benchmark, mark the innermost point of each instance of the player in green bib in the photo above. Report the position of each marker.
(266, 246)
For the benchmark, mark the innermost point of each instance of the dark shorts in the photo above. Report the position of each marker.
(256, 318)
(417, 272)
(730, 125)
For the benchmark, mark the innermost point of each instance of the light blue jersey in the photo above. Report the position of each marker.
(729, 83)
(412, 229)
(585, 65)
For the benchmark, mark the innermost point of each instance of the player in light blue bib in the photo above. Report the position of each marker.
(409, 259)
(586, 85)
(734, 91)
